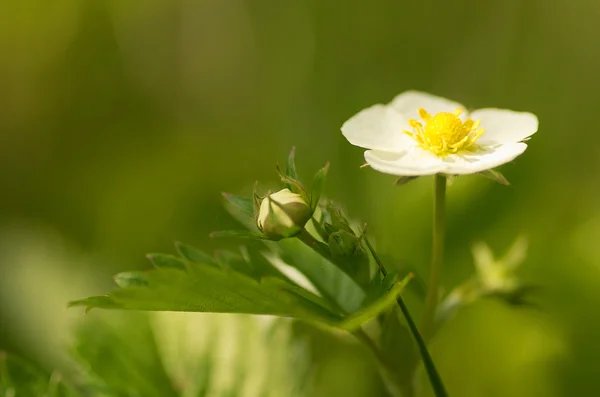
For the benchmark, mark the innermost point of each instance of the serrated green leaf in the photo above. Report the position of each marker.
(208, 289)
(91, 302)
(374, 308)
(237, 234)
(291, 165)
(193, 254)
(317, 186)
(327, 278)
(229, 260)
(496, 176)
(245, 204)
(163, 260)
(131, 279)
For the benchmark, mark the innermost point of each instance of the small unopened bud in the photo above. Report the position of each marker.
(283, 214)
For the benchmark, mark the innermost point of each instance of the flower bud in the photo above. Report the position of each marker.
(283, 214)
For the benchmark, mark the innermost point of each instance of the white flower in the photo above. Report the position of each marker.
(283, 214)
(422, 134)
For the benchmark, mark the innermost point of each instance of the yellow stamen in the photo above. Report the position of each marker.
(445, 133)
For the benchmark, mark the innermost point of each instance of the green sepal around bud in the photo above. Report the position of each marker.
(317, 186)
(337, 219)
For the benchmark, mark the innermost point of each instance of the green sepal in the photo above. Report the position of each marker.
(317, 187)
(291, 165)
(496, 176)
(403, 180)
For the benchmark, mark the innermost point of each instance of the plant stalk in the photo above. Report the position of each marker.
(432, 373)
(437, 257)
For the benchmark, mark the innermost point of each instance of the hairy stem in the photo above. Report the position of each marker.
(437, 257)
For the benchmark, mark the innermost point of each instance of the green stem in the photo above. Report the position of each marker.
(434, 376)
(432, 373)
(317, 246)
(437, 258)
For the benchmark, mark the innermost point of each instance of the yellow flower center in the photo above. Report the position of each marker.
(444, 133)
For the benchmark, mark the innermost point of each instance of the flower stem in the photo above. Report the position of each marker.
(439, 225)
(432, 373)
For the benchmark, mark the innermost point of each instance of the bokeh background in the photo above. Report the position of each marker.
(122, 121)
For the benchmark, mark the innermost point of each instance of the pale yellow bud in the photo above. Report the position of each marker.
(283, 214)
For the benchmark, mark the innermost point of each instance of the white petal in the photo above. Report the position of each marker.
(411, 162)
(409, 102)
(483, 159)
(504, 126)
(378, 127)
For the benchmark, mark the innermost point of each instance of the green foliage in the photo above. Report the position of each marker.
(120, 354)
(20, 379)
(243, 283)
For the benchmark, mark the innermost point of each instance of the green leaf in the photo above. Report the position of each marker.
(162, 260)
(104, 302)
(208, 289)
(327, 278)
(496, 176)
(238, 234)
(317, 186)
(19, 378)
(131, 279)
(120, 350)
(193, 254)
(245, 204)
(291, 165)
(375, 307)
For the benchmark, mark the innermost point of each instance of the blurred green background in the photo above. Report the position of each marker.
(122, 121)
